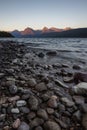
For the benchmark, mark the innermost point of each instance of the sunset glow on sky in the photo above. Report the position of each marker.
(19, 14)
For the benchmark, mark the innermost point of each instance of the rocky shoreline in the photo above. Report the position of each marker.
(41, 91)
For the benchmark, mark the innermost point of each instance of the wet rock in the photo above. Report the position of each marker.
(77, 67)
(24, 110)
(2, 117)
(52, 102)
(33, 103)
(21, 103)
(50, 125)
(67, 102)
(31, 115)
(68, 79)
(50, 110)
(36, 122)
(41, 87)
(82, 77)
(61, 123)
(16, 124)
(39, 128)
(84, 107)
(61, 84)
(31, 82)
(42, 114)
(77, 116)
(3, 100)
(80, 89)
(15, 98)
(24, 126)
(13, 89)
(79, 100)
(51, 53)
(84, 121)
(41, 55)
(15, 111)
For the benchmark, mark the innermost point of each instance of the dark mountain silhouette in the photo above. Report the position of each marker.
(51, 32)
(5, 34)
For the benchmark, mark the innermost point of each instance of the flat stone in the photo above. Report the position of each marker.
(77, 116)
(67, 102)
(42, 114)
(61, 123)
(16, 123)
(68, 79)
(33, 103)
(2, 117)
(50, 125)
(80, 89)
(21, 103)
(15, 111)
(84, 107)
(24, 126)
(50, 110)
(41, 87)
(79, 99)
(15, 98)
(3, 100)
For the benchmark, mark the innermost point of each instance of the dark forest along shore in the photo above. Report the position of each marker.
(41, 89)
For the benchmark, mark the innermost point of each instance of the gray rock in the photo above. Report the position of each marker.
(31, 115)
(51, 53)
(41, 55)
(33, 103)
(31, 82)
(84, 107)
(50, 110)
(39, 128)
(52, 102)
(36, 122)
(13, 89)
(67, 102)
(50, 125)
(41, 87)
(79, 99)
(77, 67)
(24, 126)
(84, 121)
(2, 117)
(80, 88)
(21, 103)
(24, 110)
(61, 123)
(77, 116)
(68, 79)
(42, 114)
(15, 111)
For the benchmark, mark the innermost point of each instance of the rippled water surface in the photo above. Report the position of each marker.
(74, 47)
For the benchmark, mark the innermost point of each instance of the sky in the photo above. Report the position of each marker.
(19, 14)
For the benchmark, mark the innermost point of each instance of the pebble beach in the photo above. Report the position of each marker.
(41, 89)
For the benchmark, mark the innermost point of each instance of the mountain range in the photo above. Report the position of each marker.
(29, 32)
(50, 32)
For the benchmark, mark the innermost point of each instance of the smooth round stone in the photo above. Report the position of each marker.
(31, 115)
(67, 102)
(16, 123)
(39, 128)
(24, 110)
(50, 125)
(42, 113)
(52, 102)
(33, 103)
(41, 87)
(15, 110)
(13, 89)
(21, 103)
(32, 82)
(68, 79)
(36, 122)
(2, 117)
(50, 110)
(24, 126)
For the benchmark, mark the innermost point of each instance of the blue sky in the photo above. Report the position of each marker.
(19, 14)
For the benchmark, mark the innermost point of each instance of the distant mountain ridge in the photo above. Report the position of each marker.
(50, 32)
(5, 34)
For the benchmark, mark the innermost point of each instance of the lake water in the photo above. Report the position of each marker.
(72, 47)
